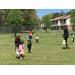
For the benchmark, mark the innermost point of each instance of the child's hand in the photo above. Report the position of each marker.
(61, 34)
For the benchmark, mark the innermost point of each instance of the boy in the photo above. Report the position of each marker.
(73, 37)
(29, 46)
(37, 38)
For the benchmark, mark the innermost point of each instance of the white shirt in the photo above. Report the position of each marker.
(37, 37)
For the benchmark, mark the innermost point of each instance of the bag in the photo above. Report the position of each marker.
(17, 52)
(63, 42)
(72, 39)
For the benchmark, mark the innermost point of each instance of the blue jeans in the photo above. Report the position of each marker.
(29, 49)
(30, 37)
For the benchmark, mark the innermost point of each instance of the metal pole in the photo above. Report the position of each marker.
(25, 31)
(56, 31)
(40, 28)
(74, 30)
(10, 31)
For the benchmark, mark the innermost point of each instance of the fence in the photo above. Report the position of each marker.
(17, 29)
(23, 29)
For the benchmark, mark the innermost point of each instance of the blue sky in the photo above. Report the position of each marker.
(42, 12)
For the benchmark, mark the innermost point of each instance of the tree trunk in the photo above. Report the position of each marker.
(46, 29)
(14, 34)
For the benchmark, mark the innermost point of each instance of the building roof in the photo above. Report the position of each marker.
(61, 17)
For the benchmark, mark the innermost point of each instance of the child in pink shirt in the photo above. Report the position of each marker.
(21, 50)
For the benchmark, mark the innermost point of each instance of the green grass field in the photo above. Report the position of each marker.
(49, 50)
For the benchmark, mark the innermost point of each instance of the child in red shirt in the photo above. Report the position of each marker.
(30, 33)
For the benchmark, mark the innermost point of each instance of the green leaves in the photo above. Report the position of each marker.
(73, 17)
(30, 17)
(47, 21)
(14, 17)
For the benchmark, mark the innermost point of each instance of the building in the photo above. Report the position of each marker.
(61, 22)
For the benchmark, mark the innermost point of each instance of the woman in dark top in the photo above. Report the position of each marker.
(65, 36)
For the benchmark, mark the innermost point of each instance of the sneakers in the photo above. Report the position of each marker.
(20, 59)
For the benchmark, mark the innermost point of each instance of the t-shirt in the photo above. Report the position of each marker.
(20, 48)
(37, 37)
(29, 45)
(16, 43)
(72, 36)
(30, 32)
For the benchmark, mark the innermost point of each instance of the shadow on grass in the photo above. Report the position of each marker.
(64, 48)
(47, 32)
(19, 57)
(19, 35)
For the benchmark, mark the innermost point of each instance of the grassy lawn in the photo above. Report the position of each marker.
(49, 50)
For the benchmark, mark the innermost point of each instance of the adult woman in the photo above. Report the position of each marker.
(17, 39)
(65, 36)
(30, 33)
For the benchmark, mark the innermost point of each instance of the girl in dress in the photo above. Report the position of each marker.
(21, 50)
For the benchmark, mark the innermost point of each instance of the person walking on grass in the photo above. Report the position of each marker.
(21, 50)
(37, 38)
(30, 33)
(17, 39)
(29, 46)
(65, 36)
(73, 37)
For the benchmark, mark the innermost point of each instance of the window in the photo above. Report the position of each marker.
(56, 21)
(64, 20)
(53, 22)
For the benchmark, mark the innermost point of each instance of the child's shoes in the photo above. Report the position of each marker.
(20, 59)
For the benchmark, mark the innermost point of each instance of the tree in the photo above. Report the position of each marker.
(14, 18)
(51, 15)
(56, 15)
(30, 17)
(62, 13)
(47, 22)
(73, 18)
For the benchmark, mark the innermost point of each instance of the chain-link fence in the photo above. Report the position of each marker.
(18, 29)
(13, 30)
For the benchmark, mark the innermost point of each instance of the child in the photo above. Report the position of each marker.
(73, 37)
(63, 43)
(37, 38)
(30, 33)
(21, 50)
(17, 39)
(29, 46)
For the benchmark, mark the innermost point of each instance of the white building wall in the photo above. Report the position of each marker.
(58, 22)
(42, 25)
(68, 21)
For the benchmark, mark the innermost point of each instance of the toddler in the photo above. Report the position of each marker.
(21, 50)
(37, 38)
(73, 37)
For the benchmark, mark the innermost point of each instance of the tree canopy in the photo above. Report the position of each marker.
(30, 17)
(14, 18)
(73, 18)
(47, 22)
